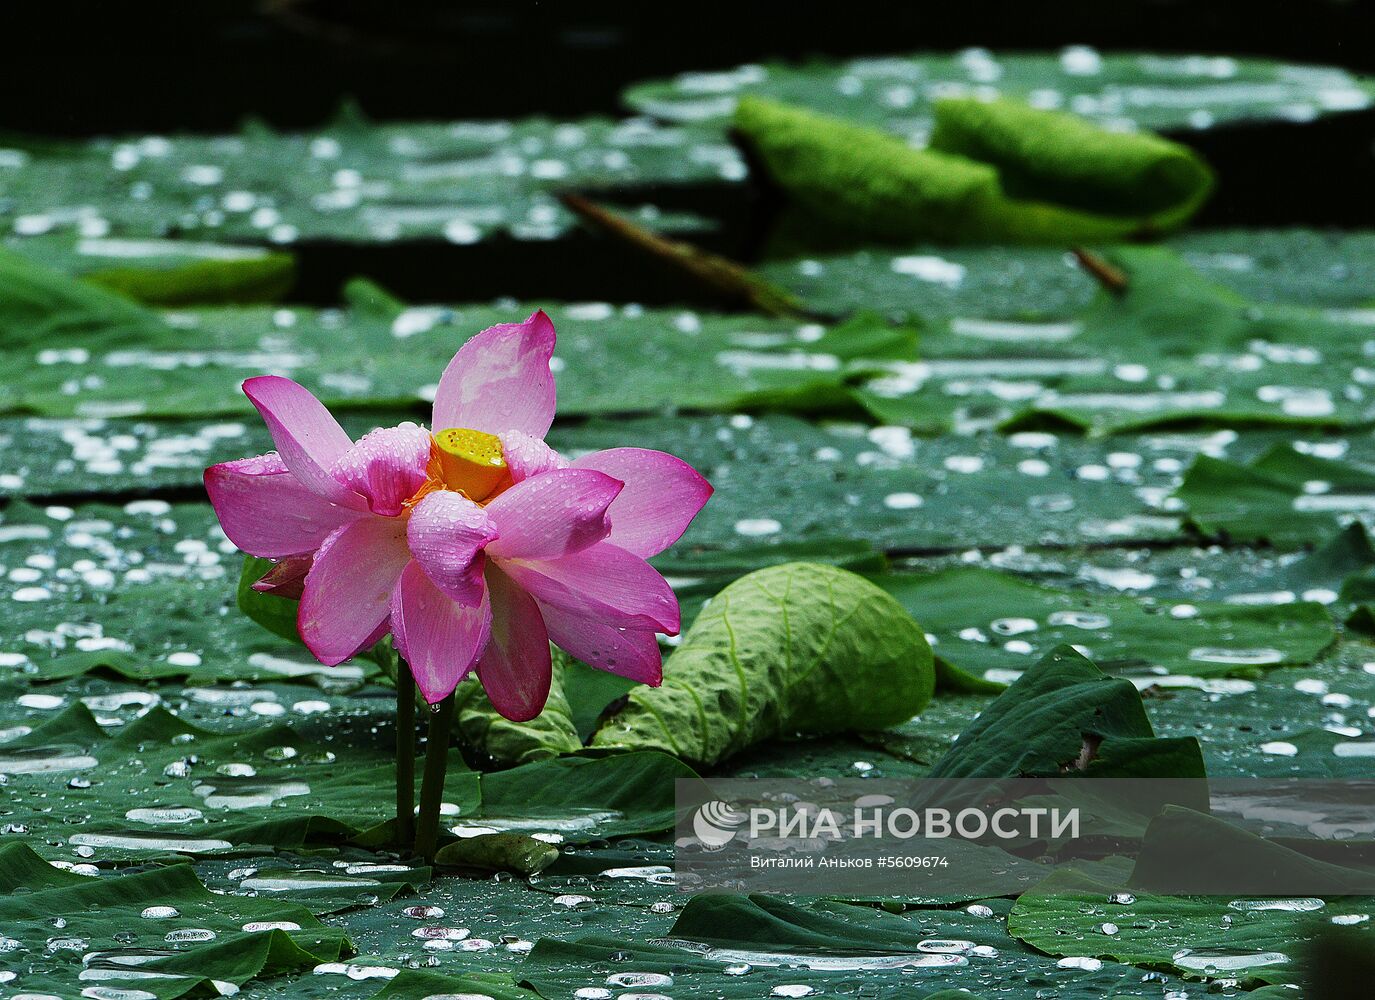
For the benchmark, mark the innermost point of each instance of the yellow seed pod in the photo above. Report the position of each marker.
(471, 461)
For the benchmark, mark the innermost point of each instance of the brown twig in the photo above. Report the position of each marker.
(1111, 277)
(721, 275)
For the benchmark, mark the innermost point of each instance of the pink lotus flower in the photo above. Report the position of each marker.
(474, 546)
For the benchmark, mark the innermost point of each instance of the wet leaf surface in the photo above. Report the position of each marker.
(1122, 89)
(1176, 481)
(460, 182)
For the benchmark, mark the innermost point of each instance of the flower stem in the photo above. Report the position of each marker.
(405, 752)
(432, 784)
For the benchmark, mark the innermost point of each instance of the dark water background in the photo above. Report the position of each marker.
(87, 68)
(82, 68)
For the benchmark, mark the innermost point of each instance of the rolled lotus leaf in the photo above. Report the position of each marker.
(864, 182)
(858, 178)
(1067, 160)
(796, 648)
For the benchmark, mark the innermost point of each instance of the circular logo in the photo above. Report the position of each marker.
(716, 824)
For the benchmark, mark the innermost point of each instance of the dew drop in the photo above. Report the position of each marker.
(189, 934)
(1083, 963)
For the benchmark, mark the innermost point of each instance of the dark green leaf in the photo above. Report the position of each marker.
(1285, 497)
(585, 798)
(145, 953)
(414, 984)
(1066, 716)
(1189, 851)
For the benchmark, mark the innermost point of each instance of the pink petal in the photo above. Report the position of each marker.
(604, 583)
(515, 668)
(348, 589)
(386, 467)
(446, 535)
(439, 639)
(265, 510)
(552, 515)
(383, 627)
(661, 497)
(286, 578)
(632, 653)
(528, 456)
(500, 381)
(308, 438)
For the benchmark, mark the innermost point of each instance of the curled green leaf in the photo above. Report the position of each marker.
(1009, 186)
(797, 648)
(1062, 158)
